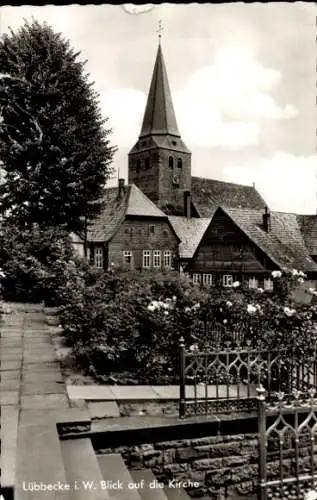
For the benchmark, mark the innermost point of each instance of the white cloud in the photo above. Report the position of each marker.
(124, 108)
(221, 104)
(287, 182)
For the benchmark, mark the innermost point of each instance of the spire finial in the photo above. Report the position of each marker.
(159, 30)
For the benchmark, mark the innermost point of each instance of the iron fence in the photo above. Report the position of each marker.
(287, 445)
(224, 379)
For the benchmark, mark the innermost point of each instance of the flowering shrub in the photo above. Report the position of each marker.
(120, 322)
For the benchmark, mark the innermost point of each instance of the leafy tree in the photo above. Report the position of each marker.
(54, 146)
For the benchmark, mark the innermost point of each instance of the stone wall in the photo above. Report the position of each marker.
(221, 466)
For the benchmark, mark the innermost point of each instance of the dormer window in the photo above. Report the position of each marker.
(171, 162)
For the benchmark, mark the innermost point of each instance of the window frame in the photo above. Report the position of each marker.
(125, 254)
(146, 254)
(225, 280)
(167, 254)
(98, 257)
(157, 254)
(265, 281)
(209, 281)
(196, 278)
(254, 281)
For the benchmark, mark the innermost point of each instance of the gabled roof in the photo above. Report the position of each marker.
(308, 226)
(207, 193)
(159, 116)
(190, 231)
(283, 244)
(132, 203)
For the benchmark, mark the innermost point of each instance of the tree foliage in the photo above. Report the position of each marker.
(54, 145)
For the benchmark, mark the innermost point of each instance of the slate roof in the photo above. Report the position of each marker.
(209, 192)
(190, 232)
(283, 244)
(159, 116)
(308, 226)
(133, 203)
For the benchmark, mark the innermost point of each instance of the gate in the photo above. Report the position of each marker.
(287, 445)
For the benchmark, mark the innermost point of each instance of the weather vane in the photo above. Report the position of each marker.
(160, 29)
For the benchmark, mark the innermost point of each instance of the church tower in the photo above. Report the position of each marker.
(160, 163)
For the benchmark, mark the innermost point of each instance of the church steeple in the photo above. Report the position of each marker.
(159, 117)
(160, 162)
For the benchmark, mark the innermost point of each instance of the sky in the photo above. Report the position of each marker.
(243, 81)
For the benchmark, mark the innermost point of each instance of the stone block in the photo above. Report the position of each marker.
(225, 449)
(244, 473)
(190, 453)
(9, 398)
(207, 464)
(172, 444)
(44, 401)
(219, 477)
(175, 468)
(103, 409)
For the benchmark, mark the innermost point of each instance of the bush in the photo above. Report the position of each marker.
(123, 322)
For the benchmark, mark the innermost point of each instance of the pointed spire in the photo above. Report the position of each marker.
(159, 117)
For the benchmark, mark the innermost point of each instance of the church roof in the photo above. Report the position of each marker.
(283, 244)
(159, 116)
(132, 202)
(190, 231)
(209, 192)
(308, 226)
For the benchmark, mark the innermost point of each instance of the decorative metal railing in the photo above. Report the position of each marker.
(225, 378)
(287, 445)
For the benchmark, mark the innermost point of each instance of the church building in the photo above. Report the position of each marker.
(163, 218)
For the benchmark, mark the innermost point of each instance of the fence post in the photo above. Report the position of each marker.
(182, 378)
(262, 441)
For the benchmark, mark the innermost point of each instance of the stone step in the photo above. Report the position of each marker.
(149, 485)
(82, 470)
(176, 493)
(114, 471)
(39, 460)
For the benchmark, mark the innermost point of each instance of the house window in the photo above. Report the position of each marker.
(207, 279)
(157, 258)
(98, 257)
(268, 284)
(196, 278)
(138, 166)
(171, 162)
(147, 162)
(179, 163)
(146, 258)
(167, 258)
(253, 283)
(127, 257)
(152, 229)
(227, 280)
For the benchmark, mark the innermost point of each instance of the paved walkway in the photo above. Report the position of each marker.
(30, 377)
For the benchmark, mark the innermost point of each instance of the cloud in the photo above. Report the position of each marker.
(287, 182)
(124, 108)
(222, 104)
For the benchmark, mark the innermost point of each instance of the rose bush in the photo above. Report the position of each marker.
(132, 323)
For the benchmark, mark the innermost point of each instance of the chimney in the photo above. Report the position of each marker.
(266, 220)
(121, 188)
(187, 204)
